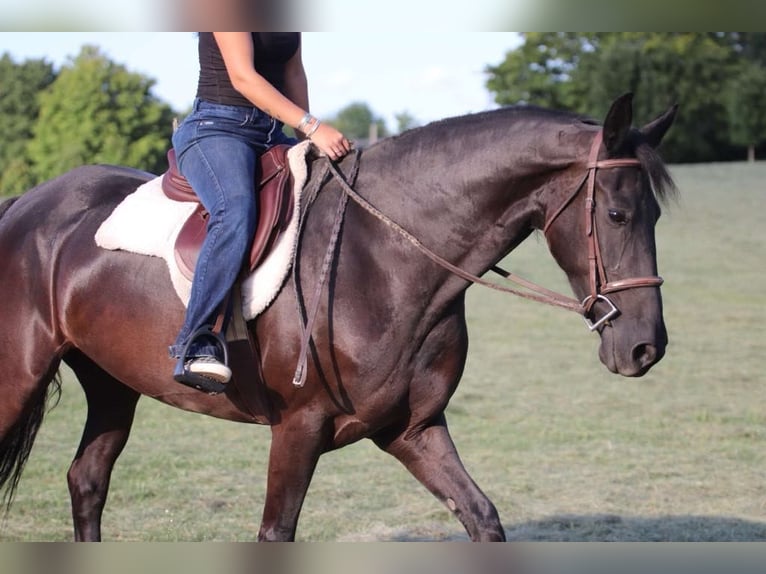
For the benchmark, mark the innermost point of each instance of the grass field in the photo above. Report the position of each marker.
(566, 450)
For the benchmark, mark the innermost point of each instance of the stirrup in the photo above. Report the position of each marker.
(195, 380)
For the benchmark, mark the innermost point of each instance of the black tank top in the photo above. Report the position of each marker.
(271, 51)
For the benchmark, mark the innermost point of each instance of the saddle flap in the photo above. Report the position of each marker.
(189, 240)
(274, 197)
(275, 204)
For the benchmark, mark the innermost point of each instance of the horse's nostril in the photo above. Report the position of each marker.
(645, 354)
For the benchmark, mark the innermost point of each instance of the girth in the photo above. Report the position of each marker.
(274, 197)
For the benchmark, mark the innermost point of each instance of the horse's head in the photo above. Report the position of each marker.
(603, 238)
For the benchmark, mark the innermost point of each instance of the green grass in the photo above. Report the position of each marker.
(566, 450)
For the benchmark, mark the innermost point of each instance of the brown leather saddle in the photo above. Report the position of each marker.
(274, 196)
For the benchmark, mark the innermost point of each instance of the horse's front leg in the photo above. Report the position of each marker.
(430, 455)
(295, 449)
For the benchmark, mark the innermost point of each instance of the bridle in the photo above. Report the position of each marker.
(600, 286)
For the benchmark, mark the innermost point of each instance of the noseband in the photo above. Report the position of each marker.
(600, 286)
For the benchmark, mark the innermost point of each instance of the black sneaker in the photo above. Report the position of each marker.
(205, 374)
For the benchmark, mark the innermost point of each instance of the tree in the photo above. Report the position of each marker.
(98, 112)
(745, 107)
(540, 71)
(21, 84)
(355, 120)
(690, 69)
(750, 46)
(585, 72)
(405, 121)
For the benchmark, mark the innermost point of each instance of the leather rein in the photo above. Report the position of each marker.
(600, 286)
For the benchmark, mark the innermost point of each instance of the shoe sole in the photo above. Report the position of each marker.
(219, 373)
(201, 383)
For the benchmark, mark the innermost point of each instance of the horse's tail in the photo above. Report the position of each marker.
(17, 443)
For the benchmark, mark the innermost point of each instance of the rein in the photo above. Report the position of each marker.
(301, 371)
(600, 286)
(540, 294)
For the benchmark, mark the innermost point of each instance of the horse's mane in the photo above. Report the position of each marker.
(636, 145)
(507, 113)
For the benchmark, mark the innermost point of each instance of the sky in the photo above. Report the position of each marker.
(428, 75)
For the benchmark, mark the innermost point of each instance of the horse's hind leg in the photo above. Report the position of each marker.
(111, 407)
(430, 455)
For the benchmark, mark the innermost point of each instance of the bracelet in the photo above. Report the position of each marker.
(314, 128)
(305, 120)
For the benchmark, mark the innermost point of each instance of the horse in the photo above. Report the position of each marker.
(434, 209)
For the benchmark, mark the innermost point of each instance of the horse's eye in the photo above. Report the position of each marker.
(618, 216)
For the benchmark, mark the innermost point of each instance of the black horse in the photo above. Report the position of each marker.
(389, 343)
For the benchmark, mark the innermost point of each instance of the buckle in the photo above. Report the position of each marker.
(592, 326)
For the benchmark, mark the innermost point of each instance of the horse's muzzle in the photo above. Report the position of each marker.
(635, 363)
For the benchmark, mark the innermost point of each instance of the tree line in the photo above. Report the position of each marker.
(94, 110)
(718, 80)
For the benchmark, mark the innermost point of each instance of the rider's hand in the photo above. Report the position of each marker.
(330, 141)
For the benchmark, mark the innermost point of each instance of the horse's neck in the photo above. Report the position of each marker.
(475, 196)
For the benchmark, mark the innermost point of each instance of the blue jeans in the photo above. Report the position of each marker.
(217, 147)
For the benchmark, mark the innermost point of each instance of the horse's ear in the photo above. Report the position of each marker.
(655, 130)
(617, 122)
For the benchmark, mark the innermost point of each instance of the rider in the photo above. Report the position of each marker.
(250, 85)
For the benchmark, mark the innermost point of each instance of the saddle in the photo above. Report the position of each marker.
(274, 196)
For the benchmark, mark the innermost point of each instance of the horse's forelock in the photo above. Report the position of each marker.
(659, 176)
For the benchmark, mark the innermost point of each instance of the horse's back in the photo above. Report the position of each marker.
(85, 194)
(89, 187)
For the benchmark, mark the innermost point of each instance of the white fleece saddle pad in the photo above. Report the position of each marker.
(147, 222)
